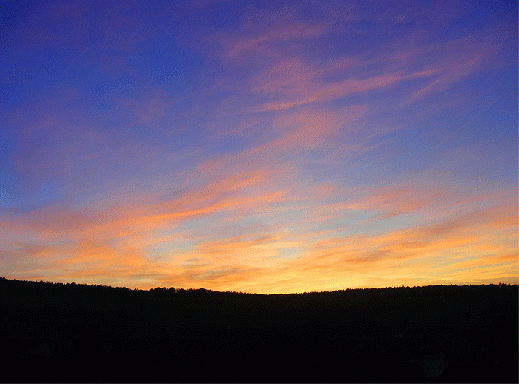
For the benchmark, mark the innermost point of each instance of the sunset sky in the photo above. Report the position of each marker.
(256, 146)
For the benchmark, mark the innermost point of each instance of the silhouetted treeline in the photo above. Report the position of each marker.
(82, 333)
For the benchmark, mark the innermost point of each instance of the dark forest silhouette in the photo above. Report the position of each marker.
(90, 333)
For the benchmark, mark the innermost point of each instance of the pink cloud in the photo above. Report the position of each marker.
(140, 214)
(49, 220)
(455, 60)
(293, 78)
(416, 197)
(393, 201)
(311, 128)
(275, 34)
(295, 82)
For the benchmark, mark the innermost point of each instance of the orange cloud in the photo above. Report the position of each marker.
(114, 243)
(411, 256)
(76, 243)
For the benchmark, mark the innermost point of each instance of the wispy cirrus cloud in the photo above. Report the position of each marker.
(294, 77)
(411, 254)
(455, 60)
(296, 82)
(263, 42)
(134, 224)
(267, 148)
(114, 250)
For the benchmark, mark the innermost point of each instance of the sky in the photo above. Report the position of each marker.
(259, 146)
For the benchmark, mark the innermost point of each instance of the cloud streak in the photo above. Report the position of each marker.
(264, 148)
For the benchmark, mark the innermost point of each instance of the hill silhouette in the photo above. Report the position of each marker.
(53, 332)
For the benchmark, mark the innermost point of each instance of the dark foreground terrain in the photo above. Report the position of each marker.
(80, 333)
